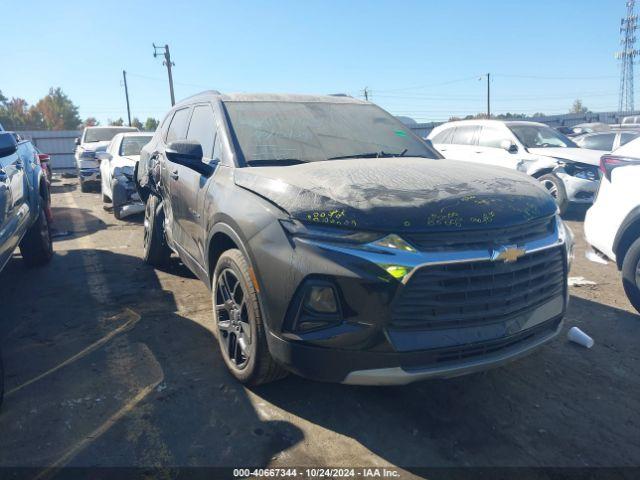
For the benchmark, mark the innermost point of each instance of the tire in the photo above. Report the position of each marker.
(1, 379)
(631, 274)
(156, 250)
(36, 246)
(84, 187)
(117, 212)
(253, 364)
(556, 189)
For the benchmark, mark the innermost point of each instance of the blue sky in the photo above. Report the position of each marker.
(418, 58)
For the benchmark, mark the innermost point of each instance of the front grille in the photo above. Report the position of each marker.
(477, 293)
(472, 240)
(481, 349)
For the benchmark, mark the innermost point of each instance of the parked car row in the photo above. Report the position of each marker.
(569, 173)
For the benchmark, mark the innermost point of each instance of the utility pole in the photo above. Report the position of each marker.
(366, 93)
(627, 55)
(488, 95)
(167, 63)
(126, 94)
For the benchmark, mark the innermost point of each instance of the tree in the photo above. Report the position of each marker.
(116, 123)
(91, 122)
(58, 111)
(136, 123)
(150, 124)
(578, 107)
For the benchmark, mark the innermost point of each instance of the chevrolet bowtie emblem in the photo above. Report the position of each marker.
(507, 254)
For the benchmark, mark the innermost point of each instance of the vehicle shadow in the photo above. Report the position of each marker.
(576, 213)
(103, 370)
(561, 406)
(62, 188)
(66, 220)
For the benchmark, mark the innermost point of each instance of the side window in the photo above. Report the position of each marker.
(491, 137)
(202, 128)
(626, 137)
(444, 136)
(178, 127)
(465, 135)
(600, 142)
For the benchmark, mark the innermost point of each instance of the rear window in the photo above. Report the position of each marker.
(626, 137)
(92, 135)
(465, 135)
(599, 142)
(443, 137)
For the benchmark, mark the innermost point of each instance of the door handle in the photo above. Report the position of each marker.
(174, 174)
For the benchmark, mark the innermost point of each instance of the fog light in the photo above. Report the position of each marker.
(397, 271)
(321, 299)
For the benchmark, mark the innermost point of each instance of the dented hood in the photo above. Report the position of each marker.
(581, 155)
(400, 194)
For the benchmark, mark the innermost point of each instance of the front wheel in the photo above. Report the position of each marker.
(238, 322)
(36, 246)
(554, 185)
(156, 250)
(631, 274)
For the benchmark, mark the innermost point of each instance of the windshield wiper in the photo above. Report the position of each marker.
(275, 162)
(380, 154)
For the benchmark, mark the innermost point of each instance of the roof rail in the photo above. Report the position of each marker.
(205, 92)
(339, 95)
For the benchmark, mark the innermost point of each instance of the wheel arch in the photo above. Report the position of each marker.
(541, 172)
(628, 232)
(221, 238)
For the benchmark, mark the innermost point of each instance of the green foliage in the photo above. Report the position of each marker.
(151, 124)
(578, 107)
(55, 111)
(136, 123)
(116, 123)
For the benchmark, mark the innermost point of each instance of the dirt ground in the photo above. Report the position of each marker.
(112, 363)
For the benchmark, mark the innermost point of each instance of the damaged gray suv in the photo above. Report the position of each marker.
(341, 247)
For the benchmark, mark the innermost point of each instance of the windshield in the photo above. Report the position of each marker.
(92, 135)
(281, 133)
(540, 136)
(133, 145)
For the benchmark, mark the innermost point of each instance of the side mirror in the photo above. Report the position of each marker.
(103, 156)
(8, 144)
(188, 153)
(509, 146)
(77, 142)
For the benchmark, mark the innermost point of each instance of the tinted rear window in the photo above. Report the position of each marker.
(465, 135)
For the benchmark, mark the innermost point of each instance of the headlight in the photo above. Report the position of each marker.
(329, 234)
(566, 236)
(127, 171)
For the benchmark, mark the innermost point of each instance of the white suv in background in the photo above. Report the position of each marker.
(612, 224)
(93, 140)
(568, 172)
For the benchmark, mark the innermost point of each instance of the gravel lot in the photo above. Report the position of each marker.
(112, 363)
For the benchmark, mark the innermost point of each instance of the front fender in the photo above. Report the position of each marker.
(542, 164)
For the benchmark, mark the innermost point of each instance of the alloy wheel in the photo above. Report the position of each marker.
(146, 234)
(232, 317)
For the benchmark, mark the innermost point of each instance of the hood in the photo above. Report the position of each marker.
(400, 194)
(96, 146)
(129, 161)
(582, 155)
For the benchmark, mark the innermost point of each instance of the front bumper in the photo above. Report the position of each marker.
(579, 190)
(369, 345)
(377, 368)
(125, 197)
(89, 174)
